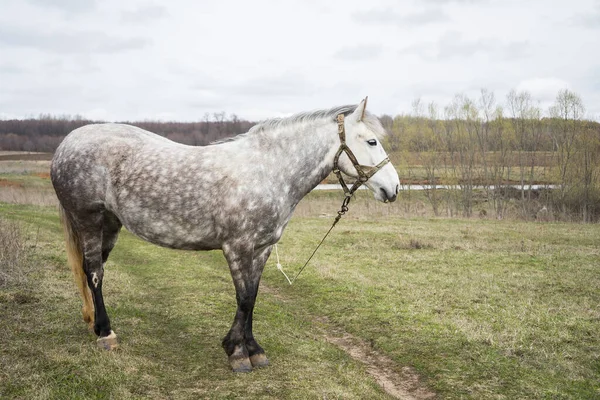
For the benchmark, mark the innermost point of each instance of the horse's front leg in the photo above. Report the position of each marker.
(256, 353)
(240, 257)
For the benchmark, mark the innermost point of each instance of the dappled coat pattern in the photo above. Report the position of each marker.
(237, 195)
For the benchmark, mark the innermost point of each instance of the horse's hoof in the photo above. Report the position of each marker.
(259, 360)
(240, 364)
(108, 342)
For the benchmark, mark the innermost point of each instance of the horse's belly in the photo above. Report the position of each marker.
(168, 232)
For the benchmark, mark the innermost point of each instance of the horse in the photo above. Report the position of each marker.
(237, 195)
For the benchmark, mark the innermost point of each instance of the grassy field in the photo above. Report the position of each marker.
(390, 307)
(25, 181)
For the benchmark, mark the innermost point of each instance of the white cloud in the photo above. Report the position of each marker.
(145, 14)
(590, 19)
(389, 16)
(70, 42)
(359, 52)
(178, 59)
(543, 89)
(66, 6)
(452, 45)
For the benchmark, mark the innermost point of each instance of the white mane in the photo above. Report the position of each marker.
(309, 116)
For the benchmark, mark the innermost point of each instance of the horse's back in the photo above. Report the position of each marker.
(157, 188)
(90, 157)
(100, 136)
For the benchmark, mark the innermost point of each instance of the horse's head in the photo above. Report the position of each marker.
(363, 137)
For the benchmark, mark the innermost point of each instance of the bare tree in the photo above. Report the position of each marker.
(566, 114)
(430, 155)
(464, 116)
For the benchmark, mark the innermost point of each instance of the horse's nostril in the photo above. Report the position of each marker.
(397, 189)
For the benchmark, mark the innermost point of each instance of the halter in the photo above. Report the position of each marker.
(365, 172)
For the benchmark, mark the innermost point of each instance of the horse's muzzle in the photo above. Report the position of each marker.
(388, 197)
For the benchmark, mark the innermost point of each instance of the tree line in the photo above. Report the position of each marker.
(497, 154)
(493, 154)
(44, 134)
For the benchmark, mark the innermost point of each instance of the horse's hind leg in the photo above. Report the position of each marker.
(92, 246)
(75, 261)
(110, 233)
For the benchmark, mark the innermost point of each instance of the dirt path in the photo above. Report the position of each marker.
(399, 382)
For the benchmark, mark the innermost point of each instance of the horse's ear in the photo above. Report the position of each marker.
(359, 113)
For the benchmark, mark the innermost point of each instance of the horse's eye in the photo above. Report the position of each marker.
(372, 142)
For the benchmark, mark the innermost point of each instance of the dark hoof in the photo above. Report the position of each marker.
(259, 360)
(240, 364)
(108, 342)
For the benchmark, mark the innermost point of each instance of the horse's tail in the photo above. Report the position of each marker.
(75, 261)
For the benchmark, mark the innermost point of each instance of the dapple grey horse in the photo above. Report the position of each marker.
(237, 195)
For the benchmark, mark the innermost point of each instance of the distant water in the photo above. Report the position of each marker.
(336, 186)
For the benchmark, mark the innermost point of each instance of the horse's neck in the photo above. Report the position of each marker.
(300, 156)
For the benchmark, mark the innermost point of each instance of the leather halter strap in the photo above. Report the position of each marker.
(365, 172)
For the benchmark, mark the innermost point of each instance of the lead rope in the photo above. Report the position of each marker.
(343, 210)
(349, 192)
(279, 267)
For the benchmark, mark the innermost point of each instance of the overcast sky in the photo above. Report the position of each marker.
(178, 59)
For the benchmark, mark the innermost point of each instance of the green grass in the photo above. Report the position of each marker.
(170, 309)
(481, 309)
(23, 167)
(31, 181)
(415, 173)
(26, 182)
